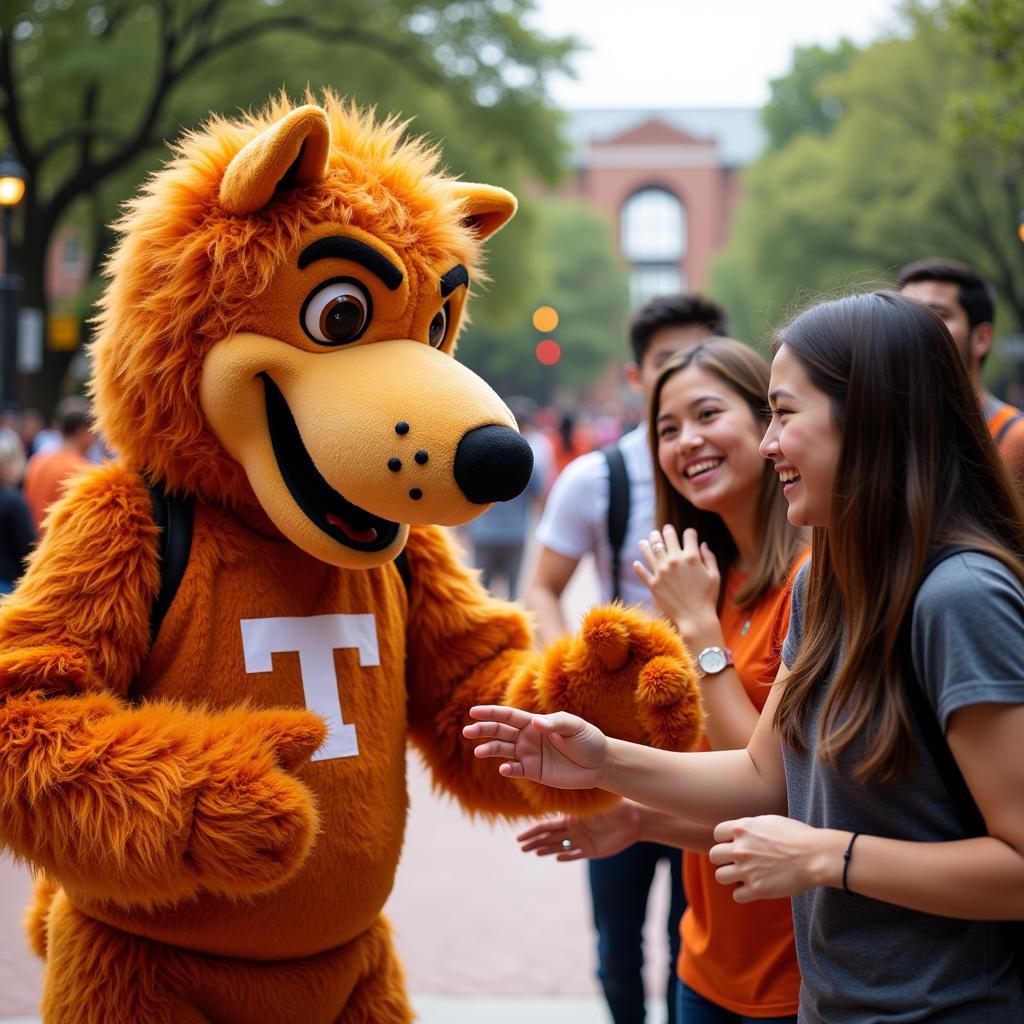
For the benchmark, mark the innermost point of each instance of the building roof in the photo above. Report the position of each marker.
(737, 130)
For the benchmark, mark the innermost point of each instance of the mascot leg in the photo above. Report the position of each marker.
(379, 996)
(96, 974)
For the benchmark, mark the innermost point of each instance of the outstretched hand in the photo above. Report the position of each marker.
(558, 750)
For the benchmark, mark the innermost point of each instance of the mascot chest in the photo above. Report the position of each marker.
(256, 620)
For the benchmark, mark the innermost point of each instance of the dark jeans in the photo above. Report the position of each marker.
(619, 887)
(499, 562)
(693, 1008)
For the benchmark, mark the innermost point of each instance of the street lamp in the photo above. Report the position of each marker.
(12, 189)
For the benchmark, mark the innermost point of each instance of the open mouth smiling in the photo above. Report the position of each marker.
(330, 511)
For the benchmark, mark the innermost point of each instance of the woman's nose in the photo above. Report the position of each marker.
(690, 439)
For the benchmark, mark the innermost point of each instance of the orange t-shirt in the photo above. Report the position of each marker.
(1009, 436)
(741, 956)
(45, 477)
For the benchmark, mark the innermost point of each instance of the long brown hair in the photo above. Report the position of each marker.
(745, 373)
(917, 470)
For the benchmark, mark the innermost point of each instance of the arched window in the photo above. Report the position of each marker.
(653, 239)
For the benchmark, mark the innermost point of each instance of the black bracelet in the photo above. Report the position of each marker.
(846, 859)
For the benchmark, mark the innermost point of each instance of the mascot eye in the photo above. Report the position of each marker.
(438, 330)
(337, 313)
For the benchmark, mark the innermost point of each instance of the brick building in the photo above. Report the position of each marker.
(669, 180)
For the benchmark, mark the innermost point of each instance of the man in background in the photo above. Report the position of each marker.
(966, 304)
(48, 471)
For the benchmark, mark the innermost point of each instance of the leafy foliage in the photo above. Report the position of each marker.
(889, 184)
(801, 101)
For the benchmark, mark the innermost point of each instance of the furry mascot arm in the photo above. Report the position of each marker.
(625, 672)
(144, 805)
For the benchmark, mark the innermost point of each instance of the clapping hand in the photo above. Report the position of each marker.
(683, 579)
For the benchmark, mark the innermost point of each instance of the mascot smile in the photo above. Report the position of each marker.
(202, 747)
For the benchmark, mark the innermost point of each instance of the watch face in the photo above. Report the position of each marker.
(712, 660)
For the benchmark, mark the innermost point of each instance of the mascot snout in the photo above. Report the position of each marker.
(345, 449)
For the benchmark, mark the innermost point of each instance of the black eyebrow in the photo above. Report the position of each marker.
(452, 279)
(341, 248)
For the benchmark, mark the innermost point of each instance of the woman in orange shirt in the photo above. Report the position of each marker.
(721, 570)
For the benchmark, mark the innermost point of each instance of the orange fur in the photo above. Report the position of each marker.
(205, 869)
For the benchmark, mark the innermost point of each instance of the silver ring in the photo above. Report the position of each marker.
(566, 844)
(657, 547)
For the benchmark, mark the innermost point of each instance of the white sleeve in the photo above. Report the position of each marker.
(576, 510)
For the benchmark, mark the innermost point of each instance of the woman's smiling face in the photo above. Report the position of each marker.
(802, 441)
(708, 442)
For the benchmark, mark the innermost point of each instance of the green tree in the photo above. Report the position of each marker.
(890, 184)
(989, 114)
(801, 100)
(91, 89)
(577, 270)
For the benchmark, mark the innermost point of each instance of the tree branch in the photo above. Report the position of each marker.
(11, 109)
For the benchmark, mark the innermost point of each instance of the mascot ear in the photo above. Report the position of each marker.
(488, 208)
(291, 152)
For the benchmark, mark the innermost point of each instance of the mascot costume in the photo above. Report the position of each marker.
(211, 781)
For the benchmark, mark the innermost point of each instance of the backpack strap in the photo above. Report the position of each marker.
(618, 510)
(923, 714)
(402, 565)
(173, 514)
(1005, 428)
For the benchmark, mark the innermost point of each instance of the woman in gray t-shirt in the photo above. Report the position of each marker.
(899, 910)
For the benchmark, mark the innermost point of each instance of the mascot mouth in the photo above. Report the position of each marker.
(322, 504)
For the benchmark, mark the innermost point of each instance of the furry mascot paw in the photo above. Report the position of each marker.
(628, 674)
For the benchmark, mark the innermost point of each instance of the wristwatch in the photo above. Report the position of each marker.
(713, 660)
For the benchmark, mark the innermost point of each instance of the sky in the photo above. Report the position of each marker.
(695, 53)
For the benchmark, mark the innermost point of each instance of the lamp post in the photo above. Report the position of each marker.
(12, 189)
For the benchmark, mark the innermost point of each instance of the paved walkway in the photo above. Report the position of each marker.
(486, 934)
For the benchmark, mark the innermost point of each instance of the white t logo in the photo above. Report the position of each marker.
(315, 637)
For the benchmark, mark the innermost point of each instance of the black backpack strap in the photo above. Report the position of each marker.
(401, 561)
(618, 510)
(173, 514)
(1005, 428)
(923, 714)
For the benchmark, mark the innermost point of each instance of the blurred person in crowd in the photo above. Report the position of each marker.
(607, 428)
(576, 522)
(966, 304)
(499, 536)
(50, 438)
(568, 441)
(721, 569)
(32, 424)
(49, 470)
(17, 533)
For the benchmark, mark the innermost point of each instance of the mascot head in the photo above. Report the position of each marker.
(278, 332)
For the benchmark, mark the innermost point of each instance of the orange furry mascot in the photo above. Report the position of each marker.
(217, 814)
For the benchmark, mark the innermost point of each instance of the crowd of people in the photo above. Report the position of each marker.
(838, 538)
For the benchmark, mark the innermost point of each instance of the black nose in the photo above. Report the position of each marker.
(493, 463)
